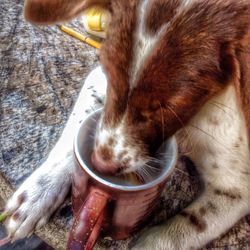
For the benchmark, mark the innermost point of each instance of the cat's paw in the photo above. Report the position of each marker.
(36, 199)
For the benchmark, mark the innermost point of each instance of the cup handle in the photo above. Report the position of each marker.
(87, 223)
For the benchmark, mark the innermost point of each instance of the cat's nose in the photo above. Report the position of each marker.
(102, 165)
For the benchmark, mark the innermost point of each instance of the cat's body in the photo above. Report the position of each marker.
(172, 67)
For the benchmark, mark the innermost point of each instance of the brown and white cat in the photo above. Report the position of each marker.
(172, 67)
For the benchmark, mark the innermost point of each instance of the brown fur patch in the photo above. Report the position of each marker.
(51, 11)
(116, 59)
(211, 207)
(202, 211)
(122, 154)
(209, 184)
(186, 69)
(233, 195)
(22, 198)
(112, 142)
(106, 153)
(16, 215)
(215, 166)
(214, 121)
(160, 12)
(245, 172)
(197, 222)
(127, 160)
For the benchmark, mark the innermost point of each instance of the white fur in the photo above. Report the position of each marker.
(144, 43)
(221, 138)
(210, 144)
(186, 3)
(216, 144)
(55, 173)
(119, 134)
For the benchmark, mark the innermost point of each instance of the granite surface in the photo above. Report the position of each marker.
(41, 72)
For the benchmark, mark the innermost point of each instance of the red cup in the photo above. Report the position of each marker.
(111, 204)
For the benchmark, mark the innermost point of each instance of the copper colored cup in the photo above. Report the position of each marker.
(111, 203)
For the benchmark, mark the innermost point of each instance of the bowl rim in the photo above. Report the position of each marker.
(109, 184)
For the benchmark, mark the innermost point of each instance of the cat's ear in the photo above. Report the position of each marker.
(54, 11)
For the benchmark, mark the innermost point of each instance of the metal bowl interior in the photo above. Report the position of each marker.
(83, 147)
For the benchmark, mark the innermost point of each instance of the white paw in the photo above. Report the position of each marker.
(37, 198)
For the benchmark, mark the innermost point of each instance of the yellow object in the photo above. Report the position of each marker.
(96, 21)
(81, 37)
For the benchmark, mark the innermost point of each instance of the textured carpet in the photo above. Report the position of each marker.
(41, 72)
